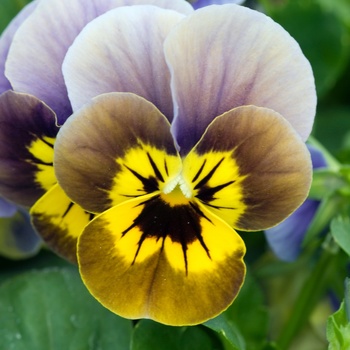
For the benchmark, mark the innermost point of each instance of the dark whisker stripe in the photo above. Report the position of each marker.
(149, 184)
(166, 167)
(207, 193)
(155, 168)
(39, 161)
(218, 206)
(209, 175)
(70, 206)
(199, 171)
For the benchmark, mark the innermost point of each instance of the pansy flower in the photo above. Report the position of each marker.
(286, 238)
(185, 127)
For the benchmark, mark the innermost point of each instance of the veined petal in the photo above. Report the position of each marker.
(227, 56)
(27, 134)
(6, 40)
(117, 147)
(59, 222)
(202, 3)
(122, 51)
(250, 168)
(36, 55)
(176, 264)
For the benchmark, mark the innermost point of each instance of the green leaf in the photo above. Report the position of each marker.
(51, 309)
(227, 328)
(236, 324)
(338, 330)
(9, 9)
(326, 211)
(340, 229)
(150, 335)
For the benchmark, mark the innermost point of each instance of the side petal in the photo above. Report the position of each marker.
(134, 62)
(250, 168)
(27, 134)
(6, 40)
(59, 222)
(36, 55)
(117, 147)
(227, 56)
(18, 240)
(178, 265)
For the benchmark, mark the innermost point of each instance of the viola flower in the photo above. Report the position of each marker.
(286, 238)
(189, 126)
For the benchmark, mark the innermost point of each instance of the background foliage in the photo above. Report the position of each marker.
(43, 304)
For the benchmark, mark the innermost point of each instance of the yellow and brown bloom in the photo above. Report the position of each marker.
(186, 126)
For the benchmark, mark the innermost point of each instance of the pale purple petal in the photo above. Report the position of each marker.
(286, 238)
(202, 3)
(7, 209)
(6, 40)
(40, 45)
(18, 240)
(226, 56)
(122, 51)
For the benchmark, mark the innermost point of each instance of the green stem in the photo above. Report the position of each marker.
(310, 294)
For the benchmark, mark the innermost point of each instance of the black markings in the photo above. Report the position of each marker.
(181, 223)
(209, 175)
(150, 184)
(70, 206)
(155, 169)
(199, 171)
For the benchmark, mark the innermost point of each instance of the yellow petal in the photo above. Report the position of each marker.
(177, 264)
(59, 222)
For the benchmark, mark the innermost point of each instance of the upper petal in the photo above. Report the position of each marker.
(40, 45)
(117, 147)
(6, 40)
(122, 51)
(226, 56)
(250, 168)
(202, 3)
(27, 133)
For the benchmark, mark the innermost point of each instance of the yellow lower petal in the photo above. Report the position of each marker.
(59, 222)
(143, 267)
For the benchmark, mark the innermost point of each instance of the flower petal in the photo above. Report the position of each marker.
(250, 168)
(27, 133)
(132, 63)
(226, 56)
(286, 238)
(18, 240)
(174, 264)
(59, 222)
(36, 55)
(7, 209)
(117, 147)
(202, 3)
(6, 40)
